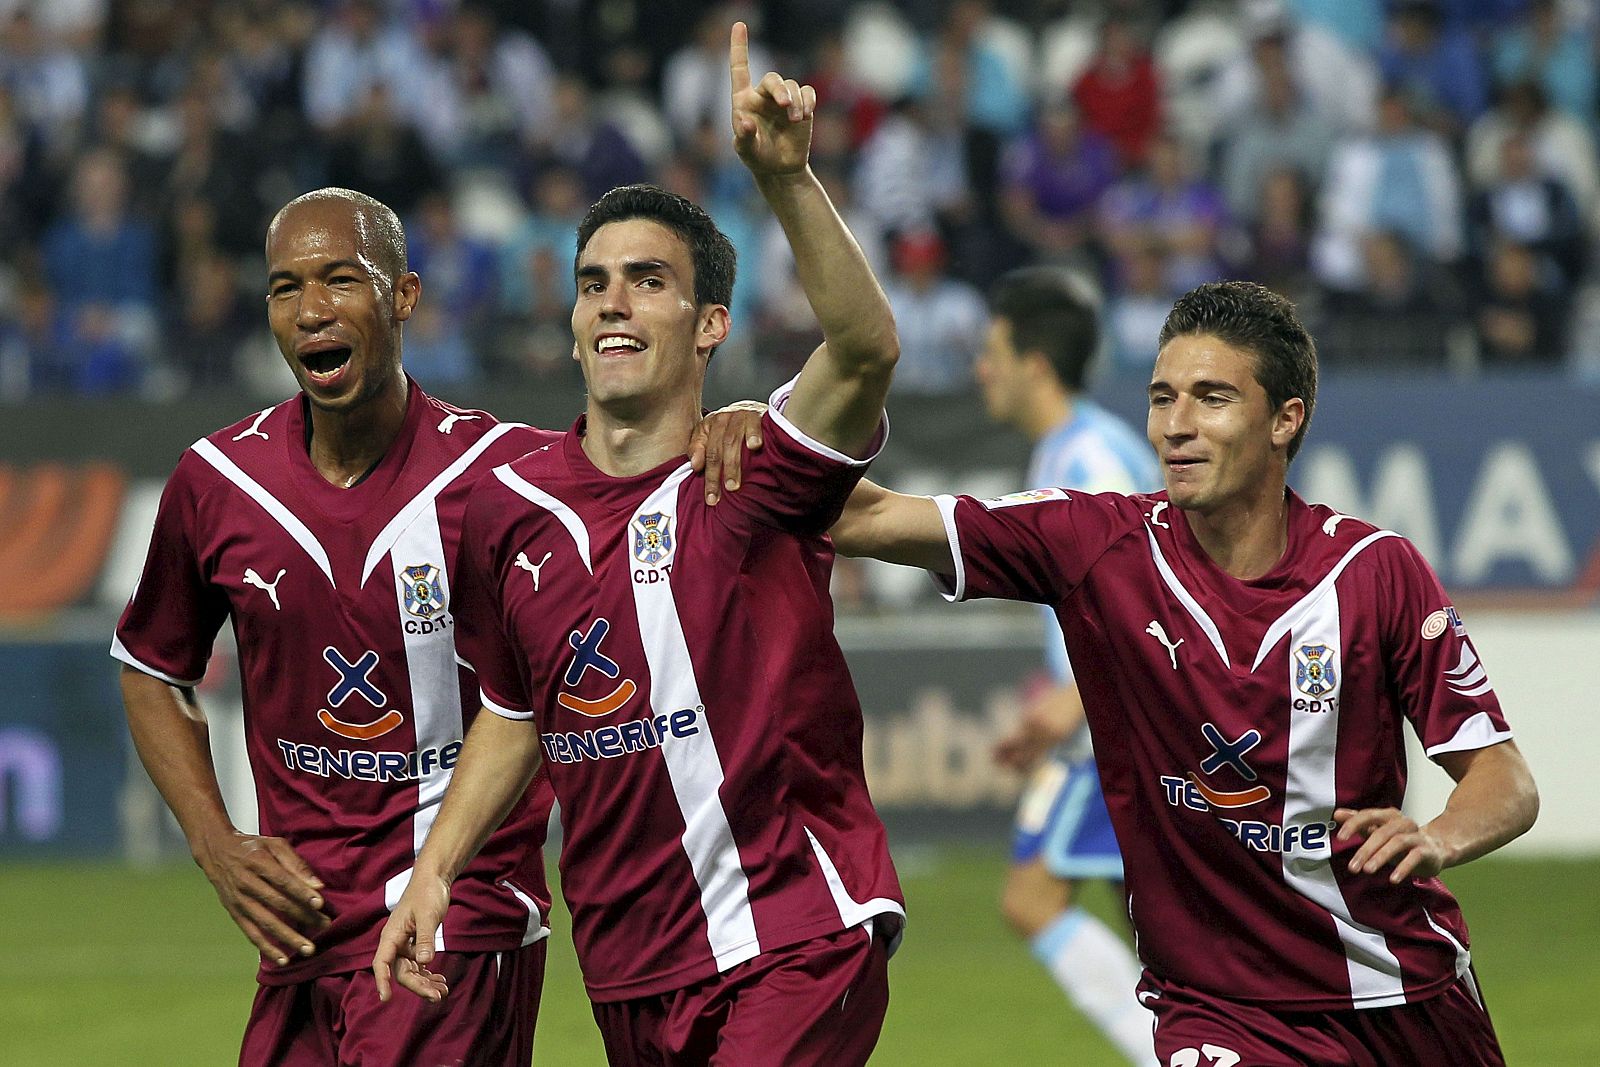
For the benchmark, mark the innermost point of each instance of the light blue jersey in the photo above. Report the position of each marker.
(1093, 452)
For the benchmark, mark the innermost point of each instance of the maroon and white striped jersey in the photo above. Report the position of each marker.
(343, 609)
(696, 715)
(1232, 717)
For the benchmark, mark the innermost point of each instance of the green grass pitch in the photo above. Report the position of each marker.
(107, 966)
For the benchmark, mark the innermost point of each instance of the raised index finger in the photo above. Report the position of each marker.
(739, 57)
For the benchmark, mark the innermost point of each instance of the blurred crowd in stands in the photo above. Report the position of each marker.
(1420, 175)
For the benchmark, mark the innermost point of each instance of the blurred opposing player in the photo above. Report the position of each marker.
(1245, 660)
(673, 664)
(1042, 335)
(327, 529)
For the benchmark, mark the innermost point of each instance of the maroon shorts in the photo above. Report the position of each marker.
(820, 1002)
(338, 1021)
(1450, 1029)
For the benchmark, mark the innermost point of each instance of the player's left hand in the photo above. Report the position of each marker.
(1392, 837)
(402, 953)
(720, 442)
(772, 119)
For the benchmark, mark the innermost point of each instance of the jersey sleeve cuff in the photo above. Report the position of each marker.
(1477, 732)
(953, 586)
(503, 711)
(780, 397)
(119, 651)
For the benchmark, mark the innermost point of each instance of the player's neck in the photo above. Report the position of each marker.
(1050, 408)
(624, 440)
(1246, 537)
(346, 445)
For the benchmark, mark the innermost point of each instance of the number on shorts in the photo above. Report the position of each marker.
(1216, 1056)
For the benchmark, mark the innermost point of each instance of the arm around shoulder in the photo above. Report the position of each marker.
(895, 527)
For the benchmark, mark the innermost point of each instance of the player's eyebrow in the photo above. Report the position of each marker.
(631, 267)
(284, 274)
(1204, 385)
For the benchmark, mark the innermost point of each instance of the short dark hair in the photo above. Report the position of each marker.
(1049, 312)
(710, 251)
(1263, 323)
(377, 226)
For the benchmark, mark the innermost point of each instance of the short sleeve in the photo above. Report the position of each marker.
(481, 640)
(1443, 685)
(797, 483)
(171, 621)
(1036, 545)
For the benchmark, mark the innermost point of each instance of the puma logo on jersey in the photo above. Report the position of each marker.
(271, 589)
(1155, 515)
(255, 429)
(1333, 523)
(1155, 630)
(450, 420)
(532, 568)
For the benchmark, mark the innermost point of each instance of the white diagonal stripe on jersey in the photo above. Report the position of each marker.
(404, 517)
(1309, 794)
(853, 912)
(565, 515)
(692, 762)
(431, 667)
(1190, 604)
(537, 930)
(1463, 957)
(1290, 620)
(270, 504)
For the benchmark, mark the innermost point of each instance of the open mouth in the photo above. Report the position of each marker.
(616, 345)
(325, 363)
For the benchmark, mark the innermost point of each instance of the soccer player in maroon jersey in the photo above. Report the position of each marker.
(327, 529)
(1246, 660)
(672, 664)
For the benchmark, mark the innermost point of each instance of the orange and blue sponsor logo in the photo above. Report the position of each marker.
(588, 656)
(355, 679)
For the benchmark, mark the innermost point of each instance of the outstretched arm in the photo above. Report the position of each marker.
(839, 397)
(263, 884)
(498, 760)
(894, 527)
(1494, 802)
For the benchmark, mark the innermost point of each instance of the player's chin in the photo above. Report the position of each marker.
(1185, 496)
(344, 393)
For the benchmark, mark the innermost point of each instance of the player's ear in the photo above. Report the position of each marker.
(407, 291)
(1290, 416)
(715, 325)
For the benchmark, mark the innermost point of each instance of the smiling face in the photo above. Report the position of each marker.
(637, 330)
(334, 310)
(1220, 441)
